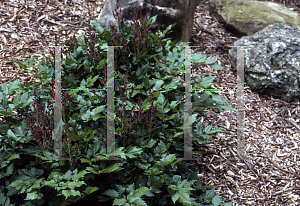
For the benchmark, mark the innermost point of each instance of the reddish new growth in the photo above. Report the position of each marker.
(42, 129)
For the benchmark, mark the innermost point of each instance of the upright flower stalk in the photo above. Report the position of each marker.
(134, 120)
(69, 150)
(38, 123)
(42, 128)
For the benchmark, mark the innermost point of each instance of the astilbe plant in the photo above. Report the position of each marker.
(41, 124)
(135, 119)
(149, 173)
(140, 34)
(69, 150)
(141, 45)
(38, 124)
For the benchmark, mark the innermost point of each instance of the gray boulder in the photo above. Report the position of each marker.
(180, 13)
(272, 65)
(246, 17)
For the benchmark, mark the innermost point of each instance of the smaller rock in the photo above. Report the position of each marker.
(272, 65)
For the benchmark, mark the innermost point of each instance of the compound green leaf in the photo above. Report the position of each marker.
(216, 67)
(119, 201)
(111, 168)
(79, 175)
(34, 196)
(11, 134)
(68, 193)
(51, 183)
(183, 197)
(139, 192)
(175, 197)
(216, 201)
(72, 185)
(90, 190)
(210, 61)
(111, 193)
(133, 152)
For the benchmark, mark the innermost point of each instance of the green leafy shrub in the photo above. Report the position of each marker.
(149, 125)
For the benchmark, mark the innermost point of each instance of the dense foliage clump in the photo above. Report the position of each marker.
(149, 119)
